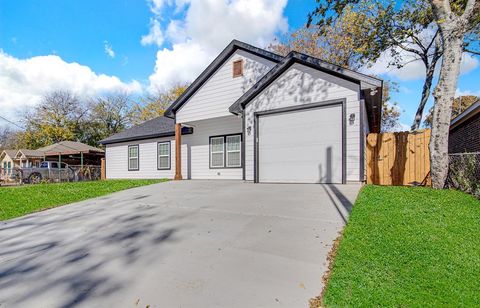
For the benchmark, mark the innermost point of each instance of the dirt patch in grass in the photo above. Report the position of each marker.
(316, 302)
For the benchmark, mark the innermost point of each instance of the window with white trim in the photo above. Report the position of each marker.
(217, 152)
(133, 157)
(226, 151)
(163, 151)
(234, 158)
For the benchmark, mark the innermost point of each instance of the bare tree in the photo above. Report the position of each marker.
(5, 134)
(109, 114)
(58, 117)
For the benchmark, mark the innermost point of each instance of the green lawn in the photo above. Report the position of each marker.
(21, 200)
(408, 247)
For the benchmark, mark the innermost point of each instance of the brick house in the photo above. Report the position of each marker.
(465, 131)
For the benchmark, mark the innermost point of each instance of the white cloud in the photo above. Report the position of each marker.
(156, 5)
(155, 36)
(209, 25)
(23, 82)
(176, 32)
(108, 49)
(182, 63)
(466, 92)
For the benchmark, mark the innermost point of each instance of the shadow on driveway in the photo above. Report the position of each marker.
(64, 256)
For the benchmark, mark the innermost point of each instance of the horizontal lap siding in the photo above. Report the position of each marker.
(219, 92)
(117, 160)
(303, 85)
(199, 146)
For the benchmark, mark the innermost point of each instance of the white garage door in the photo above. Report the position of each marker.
(303, 146)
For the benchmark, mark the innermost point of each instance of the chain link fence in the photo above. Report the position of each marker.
(464, 173)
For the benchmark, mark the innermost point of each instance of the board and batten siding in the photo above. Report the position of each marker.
(221, 90)
(300, 85)
(198, 148)
(117, 160)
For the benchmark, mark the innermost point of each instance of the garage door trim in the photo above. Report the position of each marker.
(257, 114)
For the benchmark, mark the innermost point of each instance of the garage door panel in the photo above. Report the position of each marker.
(302, 146)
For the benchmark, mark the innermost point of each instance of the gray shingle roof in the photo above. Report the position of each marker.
(158, 127)
(31, 153)
(10, 153)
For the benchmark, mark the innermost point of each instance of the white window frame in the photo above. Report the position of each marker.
(239, 151)
(130, 158)
(164, 155)
(225, 164)
(216, 152)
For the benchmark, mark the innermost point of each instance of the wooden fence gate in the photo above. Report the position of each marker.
(398, 158)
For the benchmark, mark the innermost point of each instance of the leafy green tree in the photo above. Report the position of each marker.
(342, 43)
(459, 105)
(405, 32)
(154, 104)
(400, 25)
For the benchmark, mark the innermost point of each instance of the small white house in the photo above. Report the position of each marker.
(7, 163)
(256, 116)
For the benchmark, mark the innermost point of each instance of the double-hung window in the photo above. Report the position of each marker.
(233, 154)
(225, 151)
(133, 158)
(163, 152)
(217, 152)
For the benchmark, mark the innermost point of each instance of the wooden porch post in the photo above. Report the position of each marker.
(178, 151)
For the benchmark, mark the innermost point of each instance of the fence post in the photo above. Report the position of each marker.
(103, 175)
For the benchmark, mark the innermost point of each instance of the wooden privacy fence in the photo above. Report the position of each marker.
(398, 158)
(103, 175)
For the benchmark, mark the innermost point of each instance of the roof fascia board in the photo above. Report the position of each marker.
(468, 113)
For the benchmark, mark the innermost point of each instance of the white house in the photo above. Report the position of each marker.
(7, 163)
(256, 116)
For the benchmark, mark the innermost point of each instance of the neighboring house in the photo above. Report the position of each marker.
(7, 162)
(465, 131)
(27, 158)
(257, 116)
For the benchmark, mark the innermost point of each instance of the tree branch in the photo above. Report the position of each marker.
(441, 8)
(468, 9)
(433, 40)
(475, 52)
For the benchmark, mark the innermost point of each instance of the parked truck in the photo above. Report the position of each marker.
(49, 171)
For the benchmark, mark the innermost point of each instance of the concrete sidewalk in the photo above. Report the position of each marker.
(176, 244)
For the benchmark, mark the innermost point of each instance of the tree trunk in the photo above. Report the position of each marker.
(444, 94)
(425, 94)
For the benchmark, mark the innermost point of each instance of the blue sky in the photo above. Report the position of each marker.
(141, 45)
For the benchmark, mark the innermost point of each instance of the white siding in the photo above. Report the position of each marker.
(199, 147)
(117, 160)
(8, 159)
(303, 85)
(221, 90)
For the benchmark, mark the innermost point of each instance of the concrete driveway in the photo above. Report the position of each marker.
(176, 244)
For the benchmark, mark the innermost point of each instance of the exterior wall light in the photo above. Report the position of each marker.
(351, 119)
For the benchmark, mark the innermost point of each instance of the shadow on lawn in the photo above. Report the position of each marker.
(79, 252)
